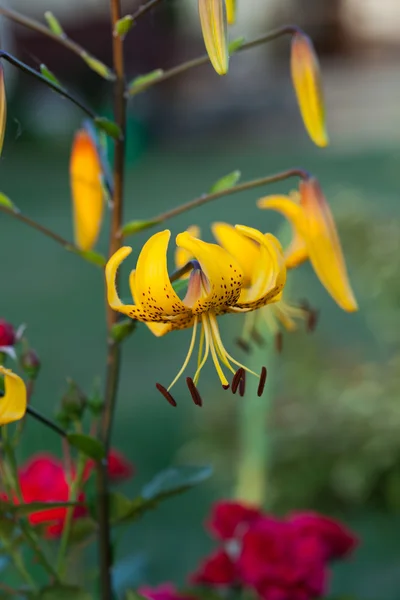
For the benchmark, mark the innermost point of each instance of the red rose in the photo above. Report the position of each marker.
(7, 334)
(231, 519)
(217, 569)
(337, 540)
(165, 591)
(119, 468)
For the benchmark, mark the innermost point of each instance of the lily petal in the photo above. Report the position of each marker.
(324, 247)
(182, 256)
(13, 403)
(157, 329)
(214, 27)
(269, 273)
(3, 109)
(230, 11)
(244, 250)
(306, 79)
(221, 270)
(87, 190)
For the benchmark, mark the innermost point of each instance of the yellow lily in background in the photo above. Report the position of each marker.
(215, 287)
(3, 108)
(306, 79)
(87, 190)
(182, 256)
(230, 11)
(315, 238)
(13, 403)
(214, 27)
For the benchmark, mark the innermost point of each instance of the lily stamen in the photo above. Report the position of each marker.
(166, 394)
(242, 384)
(263, 378)
(237, 379)
(194, 392)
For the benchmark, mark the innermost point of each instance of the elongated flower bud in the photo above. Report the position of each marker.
(306, 79)
(3, 108)
(214, 27)
(230, 11)
(87, 190)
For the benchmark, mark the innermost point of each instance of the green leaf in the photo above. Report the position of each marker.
(63, 592)
(97, 66)
(120, 506)
(226, 182)
(82, 529)
(21, 510)
(122, 26)
(236, 44)
(49, 75)
(122, 329)
(87, 444)
(142, 81)
(180, 285)
(89, 255)
(175, 480)
(136, 226)
(5, 201)
(109, 127)
(54, 24)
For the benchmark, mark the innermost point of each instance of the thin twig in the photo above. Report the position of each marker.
(50, 424)
(203, 60)
(57, 88)
(43, 30)
(144, 8)
(241, 187)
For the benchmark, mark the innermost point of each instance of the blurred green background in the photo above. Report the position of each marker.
(334, 418)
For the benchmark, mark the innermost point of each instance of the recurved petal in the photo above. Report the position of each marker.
(296, 253)
(230, 11)
(13, 403)
(244, 250)
(306, 79)
(223, 274)
(214, 27)
(157, 329)
(87, 190)
(269, 273)
(3, 109)
(182, 256)
(323, 245)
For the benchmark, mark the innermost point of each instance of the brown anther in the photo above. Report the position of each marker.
(166, 394)
(263, 379)
(194, 392)
(226, 387)
(242, 384)
(257, 338)
(312, 320)
(236, 380)
(243, 345)
(279, 342)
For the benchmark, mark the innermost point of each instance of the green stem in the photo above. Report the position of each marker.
(75, 488)
(18, 563)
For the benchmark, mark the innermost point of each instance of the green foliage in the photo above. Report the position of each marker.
(49, 75)
(142, 81)
(54, 24)
(62, 592)
(136, 226)
(226, 182)
(123, 26)
(90, 446)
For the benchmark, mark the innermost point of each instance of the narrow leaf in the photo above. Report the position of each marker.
(49, 75)
(54, 24)
(97, 66)
(109, 127)
(175, 480)
(89, 255)
(136, 226)
(5, 201)
(236, 44)
(226, 182)
(82, 529)
(143, 80)
(88, 445)
(122, 26)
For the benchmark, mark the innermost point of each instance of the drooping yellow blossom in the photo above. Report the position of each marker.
(13, 403)
(3, 109)
(214, 27)
(230, 11)
(215, 287)
(87, 190)
(316, 238)
(306, 79)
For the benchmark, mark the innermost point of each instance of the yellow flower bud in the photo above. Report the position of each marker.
(214, 27)
(13, 403)
(230, 11)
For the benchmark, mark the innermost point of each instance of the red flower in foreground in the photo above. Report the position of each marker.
(119, 468)
(7, 334)
(217, 569)
(231, 519)
(165, 591)
(337, 540)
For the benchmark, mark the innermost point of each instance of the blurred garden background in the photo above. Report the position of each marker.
(333, 424)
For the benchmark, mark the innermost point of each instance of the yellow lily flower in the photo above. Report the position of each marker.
(306, 79)
(87, 190)
(215, 287)
(182, 256)
(316, 238)
(214, 27)
(3, 109)
(13, 403)
(230, 11)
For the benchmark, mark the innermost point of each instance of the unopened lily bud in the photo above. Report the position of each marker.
(3, 108)
(306, 79)
(30, 363)
(73, 402)
(230, 11)
(214, 27)
(7, 334)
